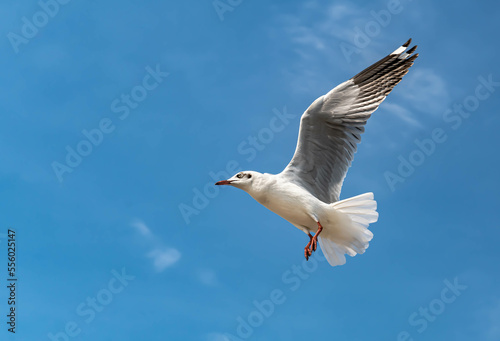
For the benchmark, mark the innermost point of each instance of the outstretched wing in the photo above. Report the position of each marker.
(332, 126)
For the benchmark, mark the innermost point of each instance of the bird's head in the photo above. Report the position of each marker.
(243, 180)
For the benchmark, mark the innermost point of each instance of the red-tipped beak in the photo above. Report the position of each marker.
(223, 182)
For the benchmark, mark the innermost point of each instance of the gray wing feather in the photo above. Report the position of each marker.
(331, 127)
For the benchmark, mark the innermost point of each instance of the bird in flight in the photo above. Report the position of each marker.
(306, 192)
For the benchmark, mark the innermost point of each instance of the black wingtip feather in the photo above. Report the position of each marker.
(386, 65)
(410, 51)
(412, 58)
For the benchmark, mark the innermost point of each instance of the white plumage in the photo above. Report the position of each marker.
(306, 192)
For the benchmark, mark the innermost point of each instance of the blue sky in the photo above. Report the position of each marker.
(172, 92)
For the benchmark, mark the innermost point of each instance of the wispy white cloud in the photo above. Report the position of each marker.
(312, 42)
(336, 20)
(402, 113)
(317, 43)
(164, 258)
(141, 227)
(320, 46)
(338, 10)
(426, 91)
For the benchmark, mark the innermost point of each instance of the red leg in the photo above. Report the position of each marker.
(315, 238)
(307, 250)
(313, 242)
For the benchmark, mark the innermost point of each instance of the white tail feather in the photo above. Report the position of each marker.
(352, 235)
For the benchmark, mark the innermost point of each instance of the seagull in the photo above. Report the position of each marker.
(306, 193)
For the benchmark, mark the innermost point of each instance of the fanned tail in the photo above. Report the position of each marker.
(352, 235)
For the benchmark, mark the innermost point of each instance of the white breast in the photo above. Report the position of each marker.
(291, 202)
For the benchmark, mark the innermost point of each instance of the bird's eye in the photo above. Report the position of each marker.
(239, 176)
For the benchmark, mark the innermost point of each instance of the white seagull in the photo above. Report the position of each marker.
(306, 192)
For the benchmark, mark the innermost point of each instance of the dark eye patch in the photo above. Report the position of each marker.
(249, 176)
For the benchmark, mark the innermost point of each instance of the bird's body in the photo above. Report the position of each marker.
(307, 192)
(343, 231)
(289, 201)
